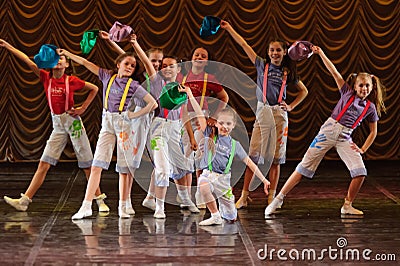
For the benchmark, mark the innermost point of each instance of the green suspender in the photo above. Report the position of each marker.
(231, 155)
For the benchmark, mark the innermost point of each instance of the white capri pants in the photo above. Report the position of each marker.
(68, 127)
(221, 187)
(332, 134)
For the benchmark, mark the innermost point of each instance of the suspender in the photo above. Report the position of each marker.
(66, 94)
(230, 160)
(203, 93)
(349, 102)
(265, 84)
(148, 87)
(123, 99)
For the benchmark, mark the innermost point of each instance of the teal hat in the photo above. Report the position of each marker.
(171, 98)
(88, 41)
(47, 56)
(209, 26)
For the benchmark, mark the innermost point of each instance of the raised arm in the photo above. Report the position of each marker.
(330, 66)
(104, 35)
(80, 60)
(143, 57)
(32, 65)
(239, 39)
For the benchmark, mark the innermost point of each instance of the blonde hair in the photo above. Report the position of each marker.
(378, 92)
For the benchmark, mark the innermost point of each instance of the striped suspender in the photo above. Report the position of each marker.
(349, 102)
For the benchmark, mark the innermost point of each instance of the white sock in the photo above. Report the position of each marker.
(87, 204)
(122, 204)
(215, 214)
(281, 196)
(159, 205)
(129, 202)
(184, 195)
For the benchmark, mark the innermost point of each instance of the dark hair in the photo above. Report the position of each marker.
(121, 57)
(208, 68)
(287, 64)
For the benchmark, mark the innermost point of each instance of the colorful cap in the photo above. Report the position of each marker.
(47, 56)
(120, 32)
(209, 26)
(88, 41)
(171, 98)
(300, 50)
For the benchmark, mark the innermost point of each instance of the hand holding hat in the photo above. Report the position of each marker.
(172, 96)
(47, 56)
(300, 50)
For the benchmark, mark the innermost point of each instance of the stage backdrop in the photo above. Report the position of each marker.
(357, 35)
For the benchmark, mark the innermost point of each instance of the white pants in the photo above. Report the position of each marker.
(68, 127)
(221, 187)
(332, 134)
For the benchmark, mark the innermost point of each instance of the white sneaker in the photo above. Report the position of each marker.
(178, 199)
(20, 204)
(149, 203)
(271, 208)
(159, 214)
(212, 221)
(100, 203)
(191, 206)
(129, 210)
(122, 214)
(82, 213)
(348, 209)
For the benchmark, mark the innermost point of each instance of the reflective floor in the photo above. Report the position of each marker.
(307, 230)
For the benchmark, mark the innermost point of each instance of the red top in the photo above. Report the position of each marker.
(58, 91)
(196, 83)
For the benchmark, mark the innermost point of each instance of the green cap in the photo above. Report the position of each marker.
(88, 41)
(171, 98)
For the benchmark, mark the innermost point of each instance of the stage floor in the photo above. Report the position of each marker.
(307, 230)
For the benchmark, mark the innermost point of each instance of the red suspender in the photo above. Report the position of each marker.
(347, 107)
(66, 94)
(265, 85)
(362, 114)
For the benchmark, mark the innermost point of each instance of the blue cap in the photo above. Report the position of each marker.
(47, 56)
(209, 26)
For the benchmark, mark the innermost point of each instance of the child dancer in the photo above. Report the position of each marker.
(168, 157)
(67, 123)
(361, 98)
(155, 56)
(219, 150)
(118, 124)
(203, 85)
(273, 75)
